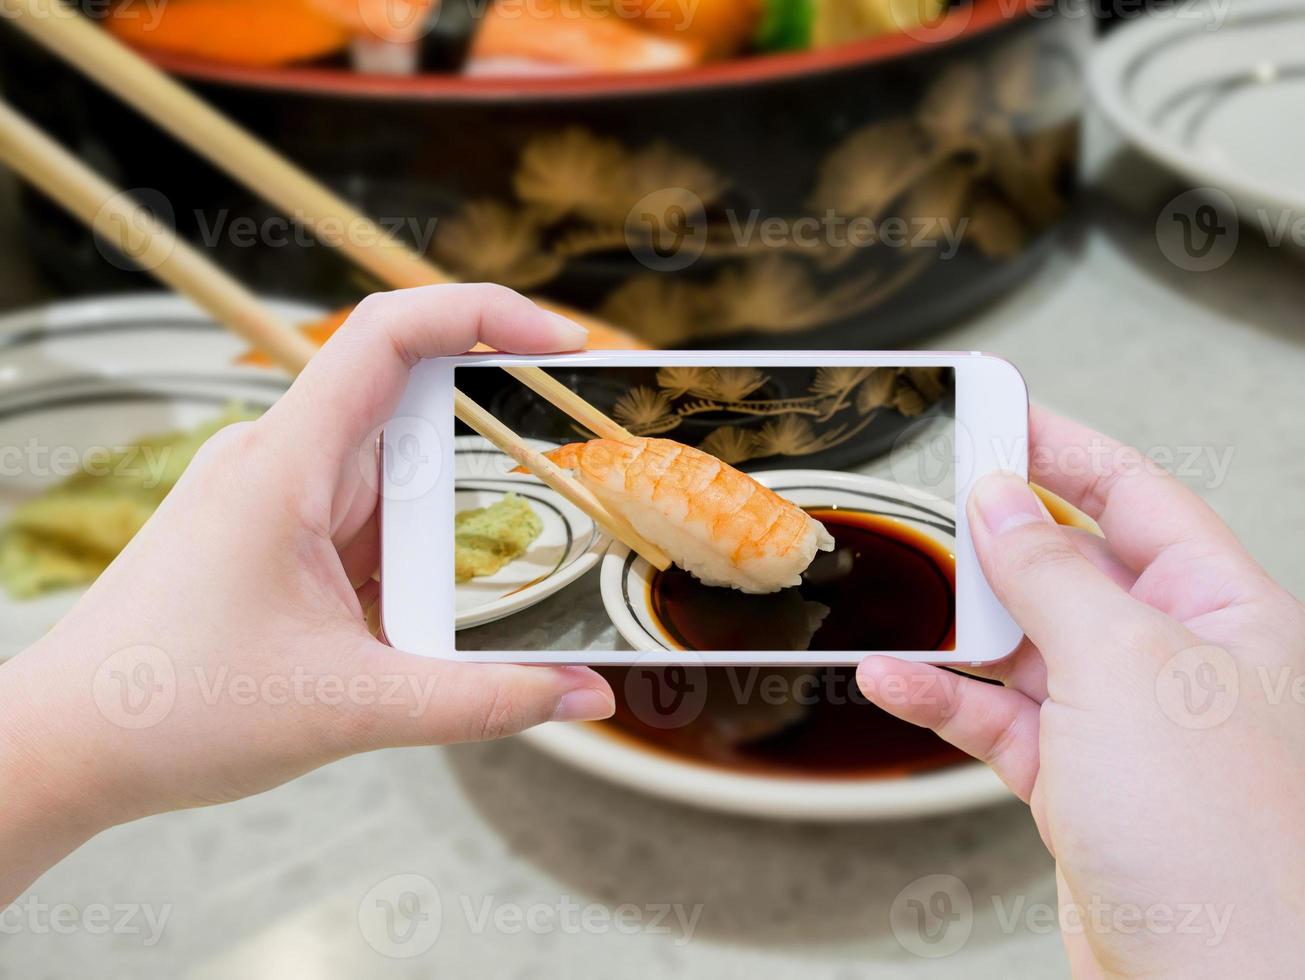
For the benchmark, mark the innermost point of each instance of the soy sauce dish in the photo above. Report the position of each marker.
(788, 742)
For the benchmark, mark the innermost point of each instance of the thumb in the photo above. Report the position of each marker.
(424, 701)
(1078, 616)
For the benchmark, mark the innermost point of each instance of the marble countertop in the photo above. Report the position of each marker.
(543, 872)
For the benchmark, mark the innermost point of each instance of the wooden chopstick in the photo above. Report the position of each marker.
(96, 53)
(120, 220)
(552, 390)
(231, 148)
(68, 181)
(507, 441)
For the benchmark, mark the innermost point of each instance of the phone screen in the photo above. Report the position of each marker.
(803, 508)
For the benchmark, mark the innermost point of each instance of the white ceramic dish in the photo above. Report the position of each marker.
(100, 373)
(625, 761)
(568, 546)
(1216, 93)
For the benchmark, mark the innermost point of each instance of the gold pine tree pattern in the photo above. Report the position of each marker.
(839, 403)
(979, 161)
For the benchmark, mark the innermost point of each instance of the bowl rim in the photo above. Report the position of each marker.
(971, 20)
(609, 756)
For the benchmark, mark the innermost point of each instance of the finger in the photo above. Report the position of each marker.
(1081, 620)
(354, 382)
(1142, 509)
(1024, 670)
(362, 556)
(437, 702)
(996, 725)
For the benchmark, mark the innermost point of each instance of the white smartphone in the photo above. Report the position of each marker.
(813, 504)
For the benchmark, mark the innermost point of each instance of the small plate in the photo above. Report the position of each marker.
(626, 578)
(102, 373)
(1216, 93)
(569, 545)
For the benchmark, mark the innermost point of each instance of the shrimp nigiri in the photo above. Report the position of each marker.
(718, 524)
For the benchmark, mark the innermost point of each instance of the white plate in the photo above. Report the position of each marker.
(104, 372)
(568, 546)
(626, 761)
(1215, 92)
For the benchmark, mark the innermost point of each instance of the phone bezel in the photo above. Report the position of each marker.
(417, 517)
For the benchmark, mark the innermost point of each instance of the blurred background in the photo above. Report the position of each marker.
(1110, 196)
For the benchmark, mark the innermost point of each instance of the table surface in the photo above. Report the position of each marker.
(1208, 367)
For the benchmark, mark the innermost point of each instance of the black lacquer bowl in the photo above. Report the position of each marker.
(853, 196)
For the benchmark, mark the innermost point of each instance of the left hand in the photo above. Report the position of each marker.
(225, 651)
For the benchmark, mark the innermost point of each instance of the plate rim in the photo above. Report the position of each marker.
(1107, 80)
(554, 583)
(605, 755)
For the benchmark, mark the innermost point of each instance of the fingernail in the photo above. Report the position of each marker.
(584, 704)
(1005, 502)
(571, 336)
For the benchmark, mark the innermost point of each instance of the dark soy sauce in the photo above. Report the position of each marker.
(884, 587)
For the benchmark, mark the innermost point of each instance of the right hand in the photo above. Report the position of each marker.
(1153, 718)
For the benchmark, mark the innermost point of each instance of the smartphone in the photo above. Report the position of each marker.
(812, 503)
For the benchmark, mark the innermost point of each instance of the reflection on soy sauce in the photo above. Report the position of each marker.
(770, 720)
(884, 587)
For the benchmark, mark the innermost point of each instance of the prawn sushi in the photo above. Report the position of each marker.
(717, 523)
